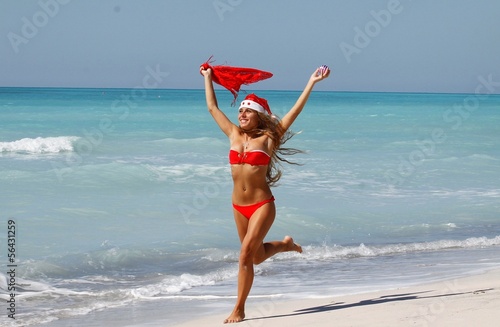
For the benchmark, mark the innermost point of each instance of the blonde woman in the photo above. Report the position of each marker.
(255, 149)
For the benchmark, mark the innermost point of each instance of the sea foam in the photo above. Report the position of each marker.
(40, 145)
(346, 252)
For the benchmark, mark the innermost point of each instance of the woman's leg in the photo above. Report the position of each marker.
(251, 232)
(253, 251)
(269, 249)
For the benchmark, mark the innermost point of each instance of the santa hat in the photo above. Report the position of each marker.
(255, 103)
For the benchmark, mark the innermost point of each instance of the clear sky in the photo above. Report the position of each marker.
(389, 45)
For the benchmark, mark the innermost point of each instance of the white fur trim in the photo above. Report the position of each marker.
(252, 105)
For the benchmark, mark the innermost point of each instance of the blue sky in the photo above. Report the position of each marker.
(383, 46)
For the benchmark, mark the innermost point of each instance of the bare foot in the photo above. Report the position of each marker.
(236, 316)
(291, 246)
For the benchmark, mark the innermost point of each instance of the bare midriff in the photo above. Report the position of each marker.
(250, 184)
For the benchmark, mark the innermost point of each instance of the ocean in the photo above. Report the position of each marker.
(116, 203)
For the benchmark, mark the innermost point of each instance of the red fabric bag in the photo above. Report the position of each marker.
(233, 77)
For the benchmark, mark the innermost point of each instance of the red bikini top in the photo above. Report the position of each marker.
(254, 158)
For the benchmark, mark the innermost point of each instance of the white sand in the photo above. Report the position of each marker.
(467, 301)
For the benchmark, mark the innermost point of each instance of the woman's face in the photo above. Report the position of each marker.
(248, 118)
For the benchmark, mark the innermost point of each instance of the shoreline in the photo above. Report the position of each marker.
(464, 301)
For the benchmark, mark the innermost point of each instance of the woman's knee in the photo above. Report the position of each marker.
(254, 256)
(246, 255)
(258, 259)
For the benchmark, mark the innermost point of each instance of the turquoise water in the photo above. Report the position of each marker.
(122, 197)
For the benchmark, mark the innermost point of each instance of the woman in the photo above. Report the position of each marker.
(254, 148)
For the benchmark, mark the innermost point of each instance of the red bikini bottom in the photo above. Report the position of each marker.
(248, 211)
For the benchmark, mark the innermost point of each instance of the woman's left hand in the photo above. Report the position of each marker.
(320, 73)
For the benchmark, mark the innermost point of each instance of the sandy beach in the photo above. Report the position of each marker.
(466, 301)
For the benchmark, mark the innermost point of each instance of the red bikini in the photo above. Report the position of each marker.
(248, 211)
(254, 158)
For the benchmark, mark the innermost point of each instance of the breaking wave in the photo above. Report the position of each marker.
(40, 145)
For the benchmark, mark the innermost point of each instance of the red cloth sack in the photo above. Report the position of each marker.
(233, 77)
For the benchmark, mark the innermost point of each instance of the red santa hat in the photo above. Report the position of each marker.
(255, 103)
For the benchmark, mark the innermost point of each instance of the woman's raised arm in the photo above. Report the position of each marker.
(318, 75)
(220, 118)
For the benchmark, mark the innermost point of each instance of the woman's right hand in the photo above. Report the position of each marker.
(206, 72)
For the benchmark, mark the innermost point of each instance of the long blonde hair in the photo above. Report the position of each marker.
(271, 127)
